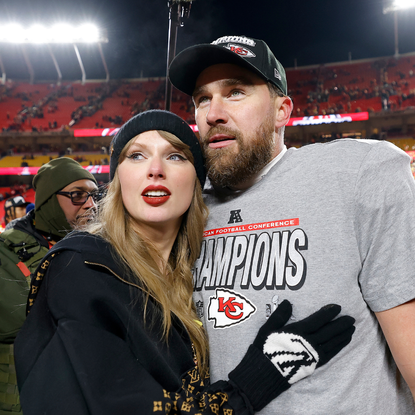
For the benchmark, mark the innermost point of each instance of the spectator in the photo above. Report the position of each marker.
(14, 208)
(63, 198)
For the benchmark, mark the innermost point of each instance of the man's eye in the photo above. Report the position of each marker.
(236, 93)
(135, 156)
(202, 100)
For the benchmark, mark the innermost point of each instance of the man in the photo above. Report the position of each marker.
(14, 208)
(65, 194)
(326, 223)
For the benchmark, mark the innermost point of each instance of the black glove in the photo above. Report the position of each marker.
(298, 348)
(294, 350)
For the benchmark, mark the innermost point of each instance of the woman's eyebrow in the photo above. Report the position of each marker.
(136, 146)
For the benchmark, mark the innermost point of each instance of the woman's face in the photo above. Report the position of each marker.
(157, 182)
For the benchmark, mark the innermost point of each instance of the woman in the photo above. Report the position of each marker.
(114, 330)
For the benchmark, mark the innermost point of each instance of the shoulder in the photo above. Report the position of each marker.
(80, 248)
(85, 245)
(345, 155)
(79, 264)
(23, 230)
(15, 238)
(18, 230)
(352, 148)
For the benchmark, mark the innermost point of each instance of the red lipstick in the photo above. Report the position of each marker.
(156, 195)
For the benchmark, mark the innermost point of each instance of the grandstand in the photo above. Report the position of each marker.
(48, 107)
(383, 85)
(354, 86)
(37, 121)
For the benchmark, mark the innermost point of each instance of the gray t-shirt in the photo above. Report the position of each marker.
(329, 223)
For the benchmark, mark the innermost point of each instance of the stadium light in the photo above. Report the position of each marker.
(59, 33)
(38, 33)
(394, 7)
(399, 5)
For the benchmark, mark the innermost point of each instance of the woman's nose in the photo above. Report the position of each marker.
(156, 169)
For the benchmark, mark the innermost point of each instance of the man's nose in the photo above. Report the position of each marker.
(217, 113)
(90, 202)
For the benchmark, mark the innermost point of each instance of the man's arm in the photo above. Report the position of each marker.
(398, 326)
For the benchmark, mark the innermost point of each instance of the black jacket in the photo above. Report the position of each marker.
(85, 348)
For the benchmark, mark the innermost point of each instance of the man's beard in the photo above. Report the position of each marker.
(229, 166)
(84, 218)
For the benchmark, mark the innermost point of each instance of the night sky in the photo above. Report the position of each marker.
(312, 32)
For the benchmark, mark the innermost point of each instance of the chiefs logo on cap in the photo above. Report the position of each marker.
(228, 308)
(240, 50)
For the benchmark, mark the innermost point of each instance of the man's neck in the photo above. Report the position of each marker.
(246, 184)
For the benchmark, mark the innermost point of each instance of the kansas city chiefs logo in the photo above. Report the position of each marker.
(240, 50)
(228, 308)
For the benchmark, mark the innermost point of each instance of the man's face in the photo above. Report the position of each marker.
(75, 214)
(15, 213)
(19, 212)
(235, 114)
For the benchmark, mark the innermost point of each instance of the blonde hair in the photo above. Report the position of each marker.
(172, 288)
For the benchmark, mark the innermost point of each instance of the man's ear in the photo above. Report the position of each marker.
(284, 108)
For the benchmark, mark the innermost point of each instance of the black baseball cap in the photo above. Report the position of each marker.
(13, 202)
(252, 54)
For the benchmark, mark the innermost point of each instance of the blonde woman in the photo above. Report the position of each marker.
(113, 329)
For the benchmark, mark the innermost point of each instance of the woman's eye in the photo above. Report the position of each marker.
(135, 156)
(177, 157)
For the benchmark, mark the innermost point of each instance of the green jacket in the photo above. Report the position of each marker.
(21, 249)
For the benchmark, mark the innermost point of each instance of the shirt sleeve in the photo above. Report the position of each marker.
(385, 227)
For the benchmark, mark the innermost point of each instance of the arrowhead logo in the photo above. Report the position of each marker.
(240, 50)
(228, 308)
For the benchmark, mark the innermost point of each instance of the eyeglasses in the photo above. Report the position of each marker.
(79, 197)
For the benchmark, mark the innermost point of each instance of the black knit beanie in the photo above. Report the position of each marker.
(157, 120)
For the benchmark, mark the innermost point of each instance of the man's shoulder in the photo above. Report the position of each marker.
(21, 230)
(22, 244)
(17, 234)
(346, 154)
(350, 147)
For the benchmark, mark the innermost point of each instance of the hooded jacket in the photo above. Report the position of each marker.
(21, 249)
